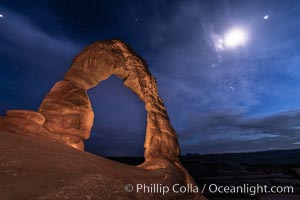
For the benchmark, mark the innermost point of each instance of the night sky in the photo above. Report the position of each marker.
(220, 97)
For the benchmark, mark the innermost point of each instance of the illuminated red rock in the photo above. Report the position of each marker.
(67, 107)
(68, 110)
(26, 114)
(23, 121)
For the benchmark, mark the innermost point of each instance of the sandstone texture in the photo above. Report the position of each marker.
(66, 116)
(39, 168)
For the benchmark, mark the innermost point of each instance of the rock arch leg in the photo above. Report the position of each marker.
(68, 111)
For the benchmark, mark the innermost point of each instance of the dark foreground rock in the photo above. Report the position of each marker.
(39, 168)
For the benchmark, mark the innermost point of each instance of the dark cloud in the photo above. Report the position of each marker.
(233, 132)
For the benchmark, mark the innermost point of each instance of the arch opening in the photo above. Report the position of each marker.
(119, 121)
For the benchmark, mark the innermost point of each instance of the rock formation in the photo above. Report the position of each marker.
(66, 113)
(67, 108)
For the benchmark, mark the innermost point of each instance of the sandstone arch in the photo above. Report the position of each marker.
(68, 111)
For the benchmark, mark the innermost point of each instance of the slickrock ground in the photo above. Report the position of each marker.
(39, 168)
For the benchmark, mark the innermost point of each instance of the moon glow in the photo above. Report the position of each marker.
(235, 37)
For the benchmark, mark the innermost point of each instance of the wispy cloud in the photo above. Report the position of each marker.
(32, 56)
(296, 143)
(25, 39)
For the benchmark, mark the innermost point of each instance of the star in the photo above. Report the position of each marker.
(266, 17)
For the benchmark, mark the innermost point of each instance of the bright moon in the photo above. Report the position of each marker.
(235, 37)
(1, 16)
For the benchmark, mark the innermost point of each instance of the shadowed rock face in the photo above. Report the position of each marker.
(66, 113)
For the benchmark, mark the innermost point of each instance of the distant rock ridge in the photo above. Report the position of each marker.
(66, 113)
